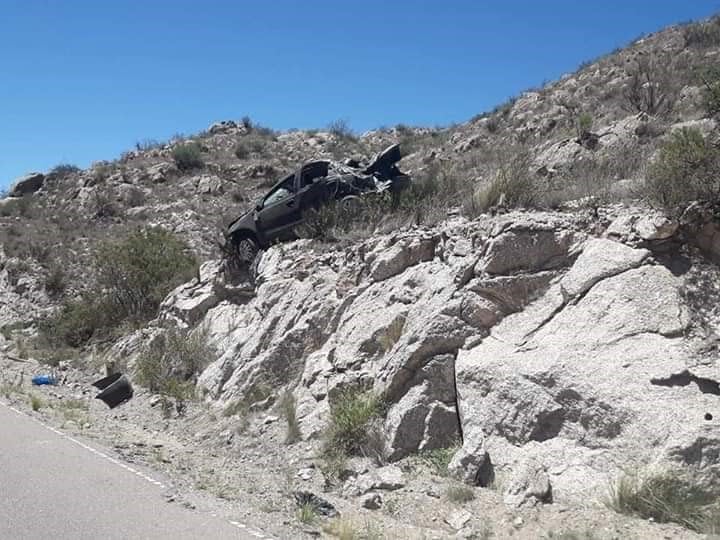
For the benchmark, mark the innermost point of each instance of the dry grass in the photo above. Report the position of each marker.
(348, 528)
(172, 361)
(666, 496)
(459, 493)
(36, 402)
(438, 459)
(687, 168)
(288, 407)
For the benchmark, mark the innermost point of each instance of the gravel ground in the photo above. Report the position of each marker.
(239, 466)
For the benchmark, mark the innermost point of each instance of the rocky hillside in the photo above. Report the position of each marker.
(541, 307)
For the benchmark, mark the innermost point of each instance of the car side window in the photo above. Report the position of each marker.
(312, 172)
(283, 191)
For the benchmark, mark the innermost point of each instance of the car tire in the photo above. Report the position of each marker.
(246, 249)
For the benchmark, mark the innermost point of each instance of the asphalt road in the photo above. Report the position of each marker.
(54, 487)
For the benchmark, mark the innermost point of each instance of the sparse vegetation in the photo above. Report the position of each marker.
(289, 410)
(18, 206)
(353, 429)
(133, 275)
(666, 496)
(138, 271)
(459, 493)
(55, 281)
(307, 514)
(513, 186)
(583, 124)
(10, 387)
(101, 171)
(648, 89)
(36, 402)
(241, 150)
(188, 156)
(438, 459)
(687, 168)
(346, 528)
(146, 145)
(703, 34)
(172, 361)
(711, 91)
(341, 129)
(352, 413)
(63, 170)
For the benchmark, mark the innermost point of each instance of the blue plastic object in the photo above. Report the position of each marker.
(43, 379)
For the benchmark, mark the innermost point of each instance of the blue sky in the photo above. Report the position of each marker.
(83, 80)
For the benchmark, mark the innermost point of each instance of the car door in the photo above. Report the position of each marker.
(278, 212)
(312, 192)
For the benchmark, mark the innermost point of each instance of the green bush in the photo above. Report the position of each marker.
(188, 156)
(667, 496)
(583, 124)
(172, 361)
(78, 321)
(352, 414)
(711, 92)
(438, 459)
(132, 277)
(687, 168)
(136, 273)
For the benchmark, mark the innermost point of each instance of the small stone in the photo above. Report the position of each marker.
(467, 533)
(155, 401)
(371, 501)
(388, 478)
(433, 492)
(305, 474)
(458, 519)
(518, 522)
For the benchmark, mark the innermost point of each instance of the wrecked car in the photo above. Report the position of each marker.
(275, 216)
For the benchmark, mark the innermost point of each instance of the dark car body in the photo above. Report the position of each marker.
(276, 214)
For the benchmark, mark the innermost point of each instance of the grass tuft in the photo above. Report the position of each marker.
(289, 410)
(459, 493)
(307, 514)
(666, 496)
(36, 402)
(438, 459)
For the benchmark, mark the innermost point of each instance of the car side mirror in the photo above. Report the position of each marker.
(258, 205)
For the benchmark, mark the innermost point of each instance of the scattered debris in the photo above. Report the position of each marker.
(39, 380)
(371, 501)
(320, 505)
(115, 389)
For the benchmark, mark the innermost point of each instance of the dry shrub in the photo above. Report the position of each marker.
(687, 169)
(512, 187)
(171, 362)
(666, 496)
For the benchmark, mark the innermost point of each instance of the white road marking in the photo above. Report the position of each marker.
(237, 524)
